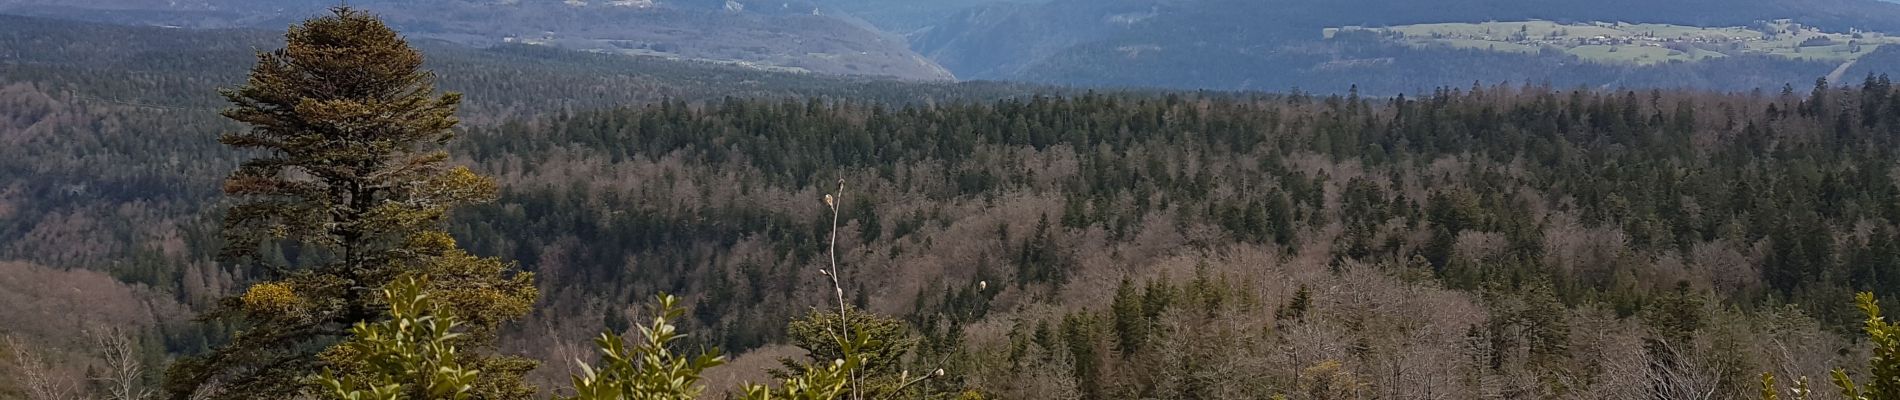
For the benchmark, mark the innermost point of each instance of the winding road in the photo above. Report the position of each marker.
(1835, 77)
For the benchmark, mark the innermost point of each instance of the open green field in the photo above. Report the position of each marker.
(1489, 45)
(1643, 44)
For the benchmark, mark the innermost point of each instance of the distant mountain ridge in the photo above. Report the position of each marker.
(183, 68)
(1256, 44)
(771, 35)
(1000, 41)
(1199, 44)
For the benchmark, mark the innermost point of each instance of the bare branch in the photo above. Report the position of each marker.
(35, 377)
(123, 370)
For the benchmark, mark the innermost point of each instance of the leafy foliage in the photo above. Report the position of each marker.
(650, 370)
(1883, 380)
(411, 355)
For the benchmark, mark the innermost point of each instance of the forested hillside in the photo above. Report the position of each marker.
(113, 168)
(1488, 241)
(1559, 229)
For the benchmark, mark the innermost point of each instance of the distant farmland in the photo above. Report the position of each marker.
(1642, 44)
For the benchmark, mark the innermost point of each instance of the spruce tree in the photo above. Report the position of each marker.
(875, 348)
(350, 171)
(1131, 327)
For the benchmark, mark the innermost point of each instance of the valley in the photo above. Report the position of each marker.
(956, 200)
(1279, 45)
(769, 36)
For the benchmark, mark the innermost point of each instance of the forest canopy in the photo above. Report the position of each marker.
(1495, 241)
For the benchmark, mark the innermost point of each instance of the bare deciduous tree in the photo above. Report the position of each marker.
(35, 376)
(122, 371)
(1682, 372)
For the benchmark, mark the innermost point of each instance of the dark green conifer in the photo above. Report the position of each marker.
(348, 130)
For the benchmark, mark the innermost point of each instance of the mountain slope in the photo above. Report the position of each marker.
(773, 36)
(113, 163)
(1276, 44)
(1455, 245)
(999, 41)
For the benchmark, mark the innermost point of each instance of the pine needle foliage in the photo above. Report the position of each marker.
(348, 131)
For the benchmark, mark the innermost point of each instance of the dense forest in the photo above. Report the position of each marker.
(1551, 227)
(1491, 241)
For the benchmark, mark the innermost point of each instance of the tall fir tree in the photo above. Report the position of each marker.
(349, 131)
(1131, 325)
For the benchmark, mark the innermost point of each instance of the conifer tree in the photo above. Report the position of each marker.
(859, 358)
(1079, 334)
(350, 171)
(1131, 326)
(1296, 307)
(1038, 261)
(1279, 218)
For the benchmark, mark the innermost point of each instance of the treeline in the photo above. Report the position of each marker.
(1665, 170)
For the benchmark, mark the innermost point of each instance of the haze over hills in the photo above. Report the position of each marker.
(1276, 44)
(774, 35)
(906, 17)
(184, 67)
(1196, 44)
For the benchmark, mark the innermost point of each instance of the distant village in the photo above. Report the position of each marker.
(1779, 36)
